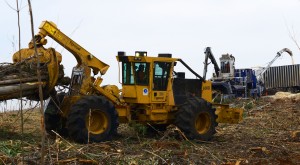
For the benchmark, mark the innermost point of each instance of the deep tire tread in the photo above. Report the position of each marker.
(76, 119)
(186, 116)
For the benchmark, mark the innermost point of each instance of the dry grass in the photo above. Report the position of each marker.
(264, 137)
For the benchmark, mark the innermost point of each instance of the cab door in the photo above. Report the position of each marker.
(135, 82)
(161, 74)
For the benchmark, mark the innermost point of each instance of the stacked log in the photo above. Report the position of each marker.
(17, 77)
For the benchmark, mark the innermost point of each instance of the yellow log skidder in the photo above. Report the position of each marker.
(152, 93)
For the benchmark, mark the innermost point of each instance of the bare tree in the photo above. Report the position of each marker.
(17, 10)
(292, 35)
(40, 86)
(21, 93)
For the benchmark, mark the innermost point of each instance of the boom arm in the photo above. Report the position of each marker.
(82, 56)
(277, 56)
(208, 54)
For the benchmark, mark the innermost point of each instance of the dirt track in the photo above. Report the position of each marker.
(264, 137)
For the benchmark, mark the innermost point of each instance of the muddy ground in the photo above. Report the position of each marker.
(267, 135)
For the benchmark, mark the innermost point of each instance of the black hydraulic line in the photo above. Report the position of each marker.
(191, 70)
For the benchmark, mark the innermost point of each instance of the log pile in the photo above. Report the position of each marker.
(20, 77)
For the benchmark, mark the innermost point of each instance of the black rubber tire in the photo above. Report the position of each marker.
(188, 114)
(77, 118)
(53, 120)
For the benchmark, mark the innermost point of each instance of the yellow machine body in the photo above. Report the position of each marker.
(153, 96)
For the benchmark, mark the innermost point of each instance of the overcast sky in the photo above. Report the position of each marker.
(252, 30)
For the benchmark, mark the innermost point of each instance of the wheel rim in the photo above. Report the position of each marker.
(202, 123)
(97, 122)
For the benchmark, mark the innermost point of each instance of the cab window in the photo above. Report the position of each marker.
(225, 67)
(135, 73)
(127, 74)
(142, 73)
(161, 75)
